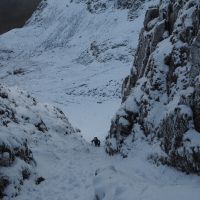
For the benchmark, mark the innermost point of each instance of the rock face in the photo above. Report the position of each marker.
(14, 13)
(161, 96)
(24, 123)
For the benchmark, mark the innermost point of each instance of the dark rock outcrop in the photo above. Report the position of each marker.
(131, 5)
(14, 13)
(161, 96)
(98, 6)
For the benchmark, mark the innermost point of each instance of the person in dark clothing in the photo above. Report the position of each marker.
(96, 142)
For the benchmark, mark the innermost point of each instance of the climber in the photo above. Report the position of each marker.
(96, 142)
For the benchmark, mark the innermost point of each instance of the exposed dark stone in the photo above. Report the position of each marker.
(39, 180)
(95, 6)
(127, 4)
(41, 127)
(172, 129)
(196, 107)
(3, 95)
(18, 71)
(24, 153)
(151, 14)
(4, 182)
(128, 83)
(25, 174)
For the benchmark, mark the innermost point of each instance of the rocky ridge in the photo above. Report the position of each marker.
(160, 97)
(99, 6)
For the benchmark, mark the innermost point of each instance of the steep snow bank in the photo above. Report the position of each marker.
(25, 124)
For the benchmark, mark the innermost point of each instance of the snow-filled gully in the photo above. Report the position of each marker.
(56, 53)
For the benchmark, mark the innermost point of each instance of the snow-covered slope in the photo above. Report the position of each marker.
(26, 129)
(75, 56)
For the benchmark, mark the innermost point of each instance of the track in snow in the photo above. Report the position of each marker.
(78, 171)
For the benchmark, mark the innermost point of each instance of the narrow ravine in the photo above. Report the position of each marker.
(75, 55)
